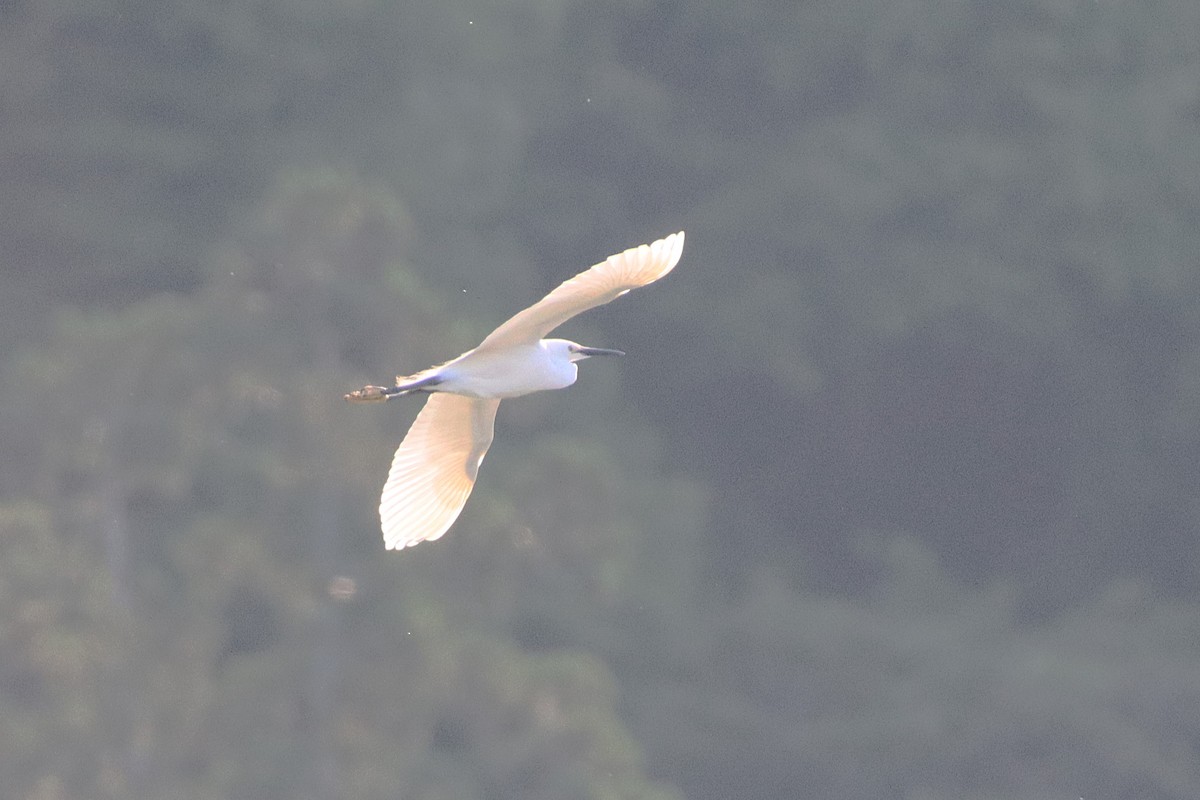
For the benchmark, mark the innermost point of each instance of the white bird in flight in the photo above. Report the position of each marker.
(435, 466)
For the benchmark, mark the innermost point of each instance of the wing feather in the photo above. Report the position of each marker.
(601, 284)
(434, 468)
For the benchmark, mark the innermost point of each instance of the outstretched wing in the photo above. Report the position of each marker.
(601, 284)
(434, 468)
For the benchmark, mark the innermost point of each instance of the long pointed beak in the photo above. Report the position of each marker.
(599, 351)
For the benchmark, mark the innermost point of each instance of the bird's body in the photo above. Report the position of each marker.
(435, 466)
(510, 372)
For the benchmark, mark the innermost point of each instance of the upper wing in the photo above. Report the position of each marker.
(434, 468)
(601, 284)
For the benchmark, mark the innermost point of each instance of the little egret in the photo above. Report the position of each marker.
(435, 466)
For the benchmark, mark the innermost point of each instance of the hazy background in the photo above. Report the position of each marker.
(894, 497)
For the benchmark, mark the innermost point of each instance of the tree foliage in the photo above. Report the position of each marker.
(893, 498)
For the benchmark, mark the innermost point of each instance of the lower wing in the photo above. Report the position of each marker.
(434, 468)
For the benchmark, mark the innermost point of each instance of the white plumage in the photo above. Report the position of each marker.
(435, 466)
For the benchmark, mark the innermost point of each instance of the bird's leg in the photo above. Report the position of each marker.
(381, 394)
(370, 394)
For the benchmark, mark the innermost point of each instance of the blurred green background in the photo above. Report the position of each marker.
(895, 495)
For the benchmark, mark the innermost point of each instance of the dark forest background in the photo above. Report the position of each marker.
(895, 495)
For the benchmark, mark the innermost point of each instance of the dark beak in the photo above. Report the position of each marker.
(599, 351)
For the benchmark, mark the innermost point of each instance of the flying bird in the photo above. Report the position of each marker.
(435, 466)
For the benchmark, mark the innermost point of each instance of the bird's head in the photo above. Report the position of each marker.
(573, 351)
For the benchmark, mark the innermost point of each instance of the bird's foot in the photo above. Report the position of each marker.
(369, 394)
